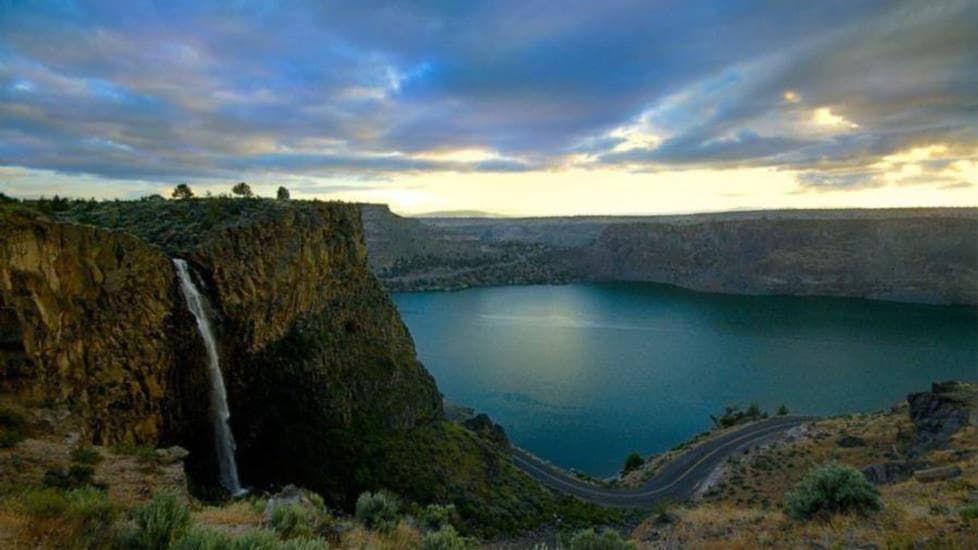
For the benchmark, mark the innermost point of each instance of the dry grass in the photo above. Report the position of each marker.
(403, 537)
(234, 518)
(744, 510)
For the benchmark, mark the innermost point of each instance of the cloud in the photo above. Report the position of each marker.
(179, 90)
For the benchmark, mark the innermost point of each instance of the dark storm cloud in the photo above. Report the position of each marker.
(178, 90)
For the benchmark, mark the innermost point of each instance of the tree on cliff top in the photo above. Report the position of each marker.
(182, 191)
(283, 194)
(242, 189)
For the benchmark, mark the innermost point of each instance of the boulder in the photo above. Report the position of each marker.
(941, 412)
(937, 474)
(892, 472)
(171, 455)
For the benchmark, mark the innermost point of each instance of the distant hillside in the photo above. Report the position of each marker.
(457, 214)
(910, 254)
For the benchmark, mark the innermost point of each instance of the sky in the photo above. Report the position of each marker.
(513, 107)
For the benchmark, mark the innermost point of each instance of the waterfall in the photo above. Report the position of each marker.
(220, 414)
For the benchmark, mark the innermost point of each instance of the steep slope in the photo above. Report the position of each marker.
(922, 259)
(324, 387)
(89, 322)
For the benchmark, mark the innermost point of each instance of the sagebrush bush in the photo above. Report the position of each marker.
(293, 521)
(833, 489)
(589, 539)
(445, 538)
(160, 522)
(968, 513)
(85, 517)
(85, 454)
(200, 538)
(378, 511)
(632, 461)
(13, 427)
(435, 516)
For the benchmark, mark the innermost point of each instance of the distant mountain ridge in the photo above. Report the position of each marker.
(903, 254)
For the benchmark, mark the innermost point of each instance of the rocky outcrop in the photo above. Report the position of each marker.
(319, 368)
(89, 322)
(916, 259)
(938, 414)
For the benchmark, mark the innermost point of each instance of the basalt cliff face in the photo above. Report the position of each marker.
(88, 321)
(319, 368)
(931, 260)
(908, 255)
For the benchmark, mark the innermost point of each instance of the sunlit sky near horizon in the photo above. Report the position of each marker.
(510, 107)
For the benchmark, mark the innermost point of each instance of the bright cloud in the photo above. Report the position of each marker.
(524, 106)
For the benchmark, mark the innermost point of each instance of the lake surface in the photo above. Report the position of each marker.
(583, 374)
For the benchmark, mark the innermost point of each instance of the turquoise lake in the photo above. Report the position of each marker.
(583, 374)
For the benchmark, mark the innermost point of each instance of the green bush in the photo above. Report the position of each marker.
(435, 516)
(783, 410)
(445, 538)
(200, 538)
(733, 415)
(632, 462)
(302, 544)
(86, 512)
(93, 516)
(85, 454)
(13, 427)
(160, 522)
(80, 474)
(378, 511)
(969, 513)
(44, 503)
(256, 539)
(832, 489)
(589, 539)
(293, 521)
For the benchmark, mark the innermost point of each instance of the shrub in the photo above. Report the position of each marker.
(445, 538)
(203, 539)
(832, 489)
(303, 544)
(85, 454)
(44, 503)
(182, 191)
(632, 462)
(80, 474)
(13, 427)
(378, 511)
(589, 539)
(256, 539)
(969, 513)
(733, 415)
(83, 518)
(56, 477)
(242, 189)
(783, 410)
(92, 515)
(435, 516)
(293, 521)
(160, 522)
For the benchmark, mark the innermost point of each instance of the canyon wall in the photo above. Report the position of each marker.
(924, 259)
(315, 358)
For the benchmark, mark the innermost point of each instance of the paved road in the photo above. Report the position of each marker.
(678, 480)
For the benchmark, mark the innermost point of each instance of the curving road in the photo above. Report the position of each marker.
(678, 480)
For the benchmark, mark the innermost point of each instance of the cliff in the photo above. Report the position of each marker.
(324, 387)
(413, 254)
(920, 259)
(89, 321)
(908, 254)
